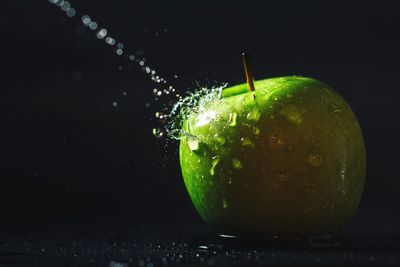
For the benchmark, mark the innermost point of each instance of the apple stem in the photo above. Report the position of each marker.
(248, 70)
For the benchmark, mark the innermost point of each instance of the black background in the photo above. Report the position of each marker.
(68, 157)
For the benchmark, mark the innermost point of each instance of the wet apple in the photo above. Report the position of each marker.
(285, 159)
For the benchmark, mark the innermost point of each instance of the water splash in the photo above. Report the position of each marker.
(193, 102)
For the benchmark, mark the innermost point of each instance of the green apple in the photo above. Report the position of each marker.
(286, 159)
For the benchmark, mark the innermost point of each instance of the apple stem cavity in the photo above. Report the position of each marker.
(248, 71)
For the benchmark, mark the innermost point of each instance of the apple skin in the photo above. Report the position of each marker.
(285, 160)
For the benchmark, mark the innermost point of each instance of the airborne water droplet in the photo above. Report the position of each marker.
(119, 52)
(157, 132)
(93, 25)
(110, 40)
(86, 20)
(232, 119)
(102, 33)
(65, 6)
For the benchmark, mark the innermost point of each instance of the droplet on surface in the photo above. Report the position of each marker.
(314, 159)
(220, 140)
(283, 177)
(214, 163)
(256, 131)
(276, 139)
(245, 141)
(224, 203)
(237, 164)
(333, 109)
(254, 115)
(232, 119)
(193, 143)
(292, 114)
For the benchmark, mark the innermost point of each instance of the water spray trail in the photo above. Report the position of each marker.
(104, 35)
(169, 119)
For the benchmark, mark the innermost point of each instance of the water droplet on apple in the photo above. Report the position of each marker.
(256, 131)
(254, 115)
(342, 174)
(334, 109)
(157, 132)
(220, 140)
(292, 114)
(276, 139)
(237, 164)
(314, 159)
(214, 163)
(245, 141)
(193, 143)
(232, 119)
(224, 203)
(283, 177)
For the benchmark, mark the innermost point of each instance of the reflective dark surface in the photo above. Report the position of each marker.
(140, 246)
